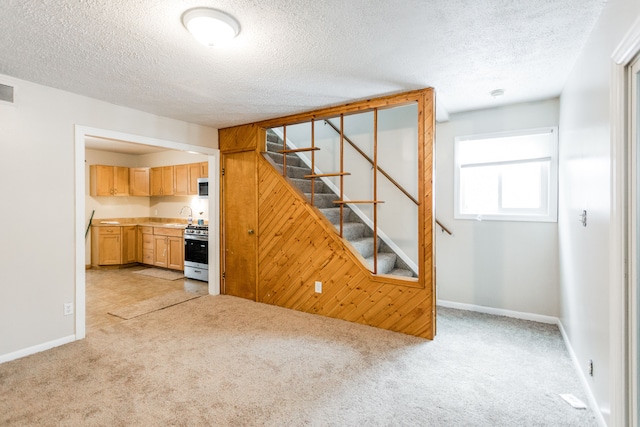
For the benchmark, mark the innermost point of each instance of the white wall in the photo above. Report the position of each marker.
(584, 184)
(37, 166)
(496, 264)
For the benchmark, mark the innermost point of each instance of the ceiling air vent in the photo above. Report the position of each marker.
(6, 93)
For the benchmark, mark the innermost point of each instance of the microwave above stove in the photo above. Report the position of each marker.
(203, 188)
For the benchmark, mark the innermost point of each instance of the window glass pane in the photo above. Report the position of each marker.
(507, 148)
(508, 176)
(479, 189)
(521, 186)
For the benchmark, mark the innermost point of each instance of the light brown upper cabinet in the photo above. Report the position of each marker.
(109, 180)
(204, 169)
(196, 170)
(139, 182)
(162, 181)
(181, 177)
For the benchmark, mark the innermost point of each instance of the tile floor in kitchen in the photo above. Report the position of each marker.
(111, 288)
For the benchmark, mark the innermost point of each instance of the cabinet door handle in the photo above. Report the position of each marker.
(250, 231)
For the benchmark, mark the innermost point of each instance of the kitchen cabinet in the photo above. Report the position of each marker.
(109, 180)
(127, 244)
(168, 248)
(139, 182)
(186, 178)
(162, 181)
(129, 247)
(146, 245)
(181, 176)
(195, 172)
(106, 246)
(113, 245)
(204, 169)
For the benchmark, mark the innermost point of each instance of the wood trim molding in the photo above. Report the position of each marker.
(629, 46)
(352, 107)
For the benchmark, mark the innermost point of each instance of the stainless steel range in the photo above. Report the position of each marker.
(196, 252)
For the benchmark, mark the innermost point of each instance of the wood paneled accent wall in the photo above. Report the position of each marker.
(297, 246)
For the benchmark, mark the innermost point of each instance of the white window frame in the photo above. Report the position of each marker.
(550, 193)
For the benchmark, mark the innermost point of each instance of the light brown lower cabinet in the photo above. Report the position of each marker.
(106, 246)
(114, 245)
(146, 245)
(168, 248)
(118, 245)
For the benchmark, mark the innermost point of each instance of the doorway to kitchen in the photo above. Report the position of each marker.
(82, 133)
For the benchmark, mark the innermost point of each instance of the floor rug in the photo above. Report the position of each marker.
(153, 304)
(161, 274)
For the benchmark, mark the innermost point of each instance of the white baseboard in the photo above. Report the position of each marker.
(500, 312)
(593, 404)
(36, 349)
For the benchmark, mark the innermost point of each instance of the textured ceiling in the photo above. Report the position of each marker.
(293, 56)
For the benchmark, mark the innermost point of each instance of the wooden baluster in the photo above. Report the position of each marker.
(313, 161)
(375, 190)
(284, 151)
(341, 173)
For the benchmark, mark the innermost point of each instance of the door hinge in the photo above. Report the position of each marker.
(222, 171)
(223, 274)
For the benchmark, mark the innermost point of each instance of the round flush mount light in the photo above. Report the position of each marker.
(497, 93)
(209, 26)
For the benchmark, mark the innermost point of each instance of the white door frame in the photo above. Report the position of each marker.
(622, 327)
(214, 213)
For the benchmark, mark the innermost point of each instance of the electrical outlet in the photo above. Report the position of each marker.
(68, 308)
(318, 287)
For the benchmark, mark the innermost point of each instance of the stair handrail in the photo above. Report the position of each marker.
(445, 229)
(382, 171)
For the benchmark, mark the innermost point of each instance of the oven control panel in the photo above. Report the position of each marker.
(196, 230)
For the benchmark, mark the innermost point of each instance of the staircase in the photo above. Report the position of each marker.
(355, 231)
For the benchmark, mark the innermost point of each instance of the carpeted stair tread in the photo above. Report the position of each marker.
(364, 246)
(272, 137)
(351, 230)
(386, 262)
(333, 214)
(401, 272)
(295, 171)
(292, 159)
(322, 200)
(304, 185)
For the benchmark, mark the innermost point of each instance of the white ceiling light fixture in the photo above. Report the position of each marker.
(210, 27)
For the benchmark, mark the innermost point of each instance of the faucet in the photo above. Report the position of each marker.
(190, 218)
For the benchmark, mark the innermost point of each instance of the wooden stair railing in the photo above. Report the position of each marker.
(367, 158)
(341, 174)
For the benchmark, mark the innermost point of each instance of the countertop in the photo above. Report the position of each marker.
(141, 222)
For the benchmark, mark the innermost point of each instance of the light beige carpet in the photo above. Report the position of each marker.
(224, 361)
(161, 274)
(153, 304)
